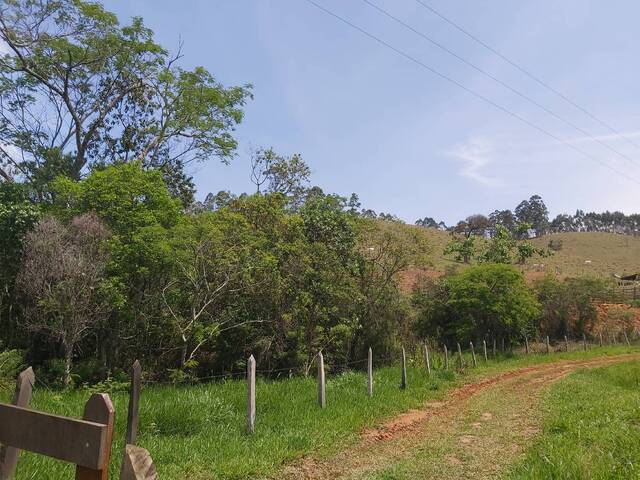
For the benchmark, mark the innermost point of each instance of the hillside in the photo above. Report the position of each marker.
(583, 253)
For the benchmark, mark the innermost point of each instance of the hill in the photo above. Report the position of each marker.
(582, 253)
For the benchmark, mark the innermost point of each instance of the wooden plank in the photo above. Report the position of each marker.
(370, 373)
(76, 441)
(137, 464)
(21, 398)
(251, 394)
(322, 390)
(403, 366)
(99, 409)
(134, 403)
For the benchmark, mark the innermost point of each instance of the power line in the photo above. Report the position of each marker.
(468, 90)
(527, 73)
(500, 82)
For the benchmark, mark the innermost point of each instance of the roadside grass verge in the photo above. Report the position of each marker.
(591, 428)
(198, 432)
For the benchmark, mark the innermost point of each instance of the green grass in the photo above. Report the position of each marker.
(198, 432)
(591, 429)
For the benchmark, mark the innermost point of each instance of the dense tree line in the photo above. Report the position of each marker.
(535, 213)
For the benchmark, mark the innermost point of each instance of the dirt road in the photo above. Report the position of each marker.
(475, 432)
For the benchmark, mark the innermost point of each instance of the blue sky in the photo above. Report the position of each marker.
(369, 121)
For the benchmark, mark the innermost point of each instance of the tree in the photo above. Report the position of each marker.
(462, 250)
(483, 301)
(61, 276)
(535, 213)
(288, 176)
(504, 248)
(79, 90)
(504, 218)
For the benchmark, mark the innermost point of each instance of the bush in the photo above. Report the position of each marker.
(555, 245)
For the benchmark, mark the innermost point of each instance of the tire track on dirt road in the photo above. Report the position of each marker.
(474, 432)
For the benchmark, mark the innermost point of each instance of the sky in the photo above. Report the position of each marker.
(369, 120)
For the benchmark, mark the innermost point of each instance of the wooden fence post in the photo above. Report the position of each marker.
(21, 398)
(99, 409)
(526, 344)
(403, 365)
(134, 403)
(584, 342)
(370, 373)
(322, 392)
(137, 465)
(460, 356)
(251, 394)
(494, 348)
(547, 343)
(473, 354)
(502, 342)
(427, 361)
(446, 358)
(484, 349)
(566, 342)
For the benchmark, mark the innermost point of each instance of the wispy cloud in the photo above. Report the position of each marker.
(475, 156)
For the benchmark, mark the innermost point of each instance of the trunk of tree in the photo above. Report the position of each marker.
(183, 356)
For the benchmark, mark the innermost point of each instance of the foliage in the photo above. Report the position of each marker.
(483, 301)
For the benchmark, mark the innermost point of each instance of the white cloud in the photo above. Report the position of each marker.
(476, 155)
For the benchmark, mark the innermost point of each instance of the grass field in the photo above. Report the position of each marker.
(197, 432)
(591, 429)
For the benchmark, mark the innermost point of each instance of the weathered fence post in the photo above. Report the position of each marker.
(484, 350)
(446, 358)
(473, 354)
(502, 342)
(584, 342)
(322, 398)
(403, 365)
(626, 338)
(134, 403)
(251, 395)
(427, 362)
(526, 344)
(137, 464)
(21, 398)
(370, 373)
(566, 342)
(460, 356)
(494, 348)
(99, 409)
(547, 343)
(600, 335)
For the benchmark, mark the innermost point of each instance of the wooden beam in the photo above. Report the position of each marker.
(76, 441)
(99, 409)
(137, 465)
(21, 398)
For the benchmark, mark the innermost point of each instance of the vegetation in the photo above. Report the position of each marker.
(590, 429)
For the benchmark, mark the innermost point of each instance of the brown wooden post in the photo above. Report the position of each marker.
(134, 403)
(322, 391)
(137, 465)
(484, 349)
(427, 361)
(446, 358)
(403, 365)
(566, 342)
(370, 373)
(251, 394)
(526, 344)
(473, 354)
(99, 409)
(460, 356)
(600, 335)
(21, 398)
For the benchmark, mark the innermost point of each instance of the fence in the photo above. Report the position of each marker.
(87, 442)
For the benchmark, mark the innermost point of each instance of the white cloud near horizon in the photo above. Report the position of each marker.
(475, 156)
